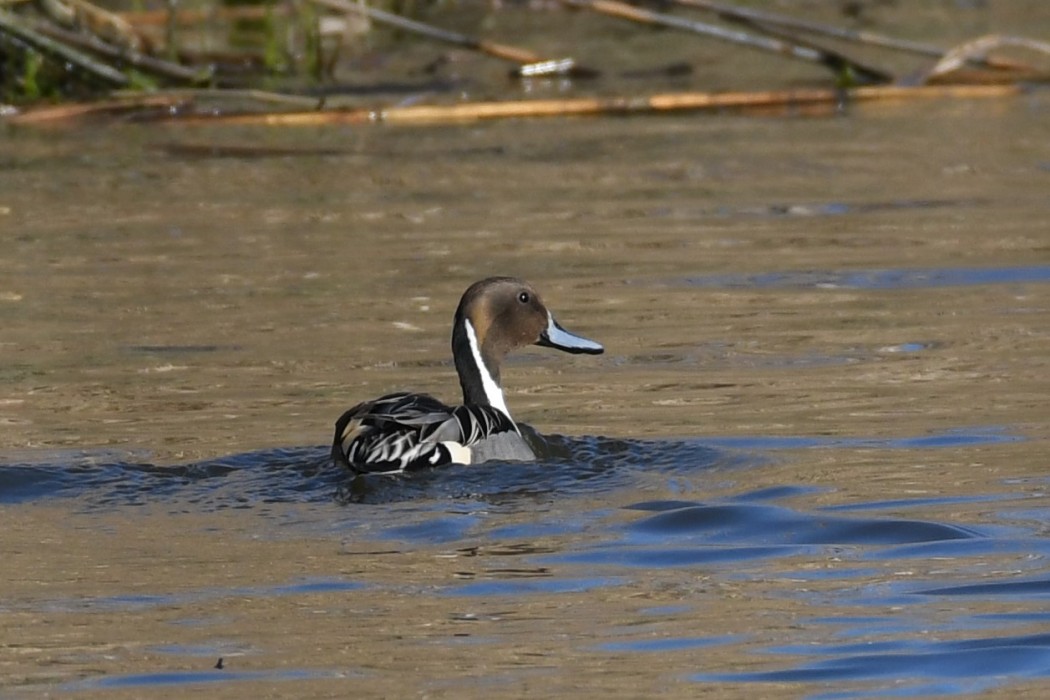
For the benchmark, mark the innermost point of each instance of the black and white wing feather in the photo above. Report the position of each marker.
(402, 432)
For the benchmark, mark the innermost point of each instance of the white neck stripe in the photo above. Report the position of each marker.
(492, 390)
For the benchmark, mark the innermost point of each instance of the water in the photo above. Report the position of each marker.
(811, 463)
(614, 550)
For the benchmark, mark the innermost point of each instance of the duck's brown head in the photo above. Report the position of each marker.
(496, 316)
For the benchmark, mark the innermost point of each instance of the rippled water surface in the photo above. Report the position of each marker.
(681, 562)
(812, 462)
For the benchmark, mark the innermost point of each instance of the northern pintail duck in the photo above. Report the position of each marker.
(402, 431)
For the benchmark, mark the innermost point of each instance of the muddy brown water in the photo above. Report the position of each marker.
(812, 462)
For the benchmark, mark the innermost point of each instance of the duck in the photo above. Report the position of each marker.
(405, 432)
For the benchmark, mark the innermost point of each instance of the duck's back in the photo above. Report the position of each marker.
(403, 432)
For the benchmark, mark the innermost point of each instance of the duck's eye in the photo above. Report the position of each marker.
(523, 297)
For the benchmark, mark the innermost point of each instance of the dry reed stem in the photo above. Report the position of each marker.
(660, 103)
(67, 112)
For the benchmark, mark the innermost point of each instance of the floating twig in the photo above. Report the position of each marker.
(661, 103)
(507, 53)
(125, 54)
(832, 59)
(69, 112)
(977, 51)
(10, 24)
(817, 98)
(760, 18)
(691, 101)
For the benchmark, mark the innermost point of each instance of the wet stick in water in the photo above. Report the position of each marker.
(833, 59)
(817, 98)
(134, 102)
(507, 53)
(761, 19)
(129, 56)
(21, 30)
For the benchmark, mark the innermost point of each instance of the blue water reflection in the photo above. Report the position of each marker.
(573, 465)
(903, 278)
(898, 596)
